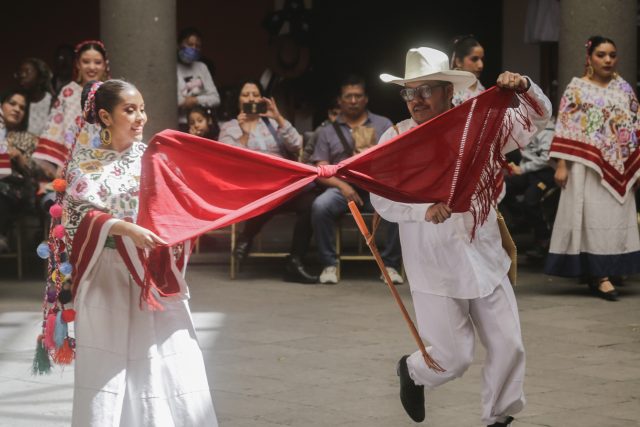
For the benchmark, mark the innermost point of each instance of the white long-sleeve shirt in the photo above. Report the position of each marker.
(440, 259)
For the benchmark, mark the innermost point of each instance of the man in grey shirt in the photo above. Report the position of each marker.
(531, 179)
(354, 130)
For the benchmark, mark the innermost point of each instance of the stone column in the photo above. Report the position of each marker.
(579, 19)
(140, 37)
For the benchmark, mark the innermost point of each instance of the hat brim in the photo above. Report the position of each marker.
(460, 79)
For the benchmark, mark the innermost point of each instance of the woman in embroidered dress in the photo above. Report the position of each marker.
(596, 143)
(64, 119)
(134, 366)
(271, 133)
(467, 55)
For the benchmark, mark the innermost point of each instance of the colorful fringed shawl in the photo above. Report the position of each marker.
(599, 128)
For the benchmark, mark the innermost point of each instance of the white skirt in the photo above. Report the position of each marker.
(593, 233)
(135, 367)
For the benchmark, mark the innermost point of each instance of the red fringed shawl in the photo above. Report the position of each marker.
(191, 185)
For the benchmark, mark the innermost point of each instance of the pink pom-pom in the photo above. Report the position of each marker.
(58, 231)
(55, 211)
(49, 330)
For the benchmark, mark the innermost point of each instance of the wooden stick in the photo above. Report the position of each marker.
(362, 226)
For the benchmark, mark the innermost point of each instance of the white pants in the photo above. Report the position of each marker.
(135, 368)
(448, 325)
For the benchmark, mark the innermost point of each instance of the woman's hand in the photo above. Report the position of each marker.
(438, 213)
(142, 238)
(244, 124)
(562, 174)
(272, 111)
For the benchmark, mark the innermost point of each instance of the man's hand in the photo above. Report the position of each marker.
(350, 194)
(515, 169)
(513, 81)
(438, 213)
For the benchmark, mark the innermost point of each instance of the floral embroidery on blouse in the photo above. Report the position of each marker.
(462, 95)
(104, 180)
(602, 117)
(65, 119)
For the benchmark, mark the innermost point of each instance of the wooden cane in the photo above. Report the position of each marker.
(369, 238)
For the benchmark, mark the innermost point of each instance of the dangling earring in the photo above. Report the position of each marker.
(105, 136)
(589, 71)
(615, 74)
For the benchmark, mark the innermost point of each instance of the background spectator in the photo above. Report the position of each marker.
(34, 76)
(195, 85)
(271, 133)
(202, 122)
(16, 146)
(531, 179)
(353, 131)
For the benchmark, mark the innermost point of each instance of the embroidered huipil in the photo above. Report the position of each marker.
(598, 127)
(441, 259)
(104, 180)
(62, 127)
(462, 95)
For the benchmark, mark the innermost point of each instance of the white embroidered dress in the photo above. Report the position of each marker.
(134, 367)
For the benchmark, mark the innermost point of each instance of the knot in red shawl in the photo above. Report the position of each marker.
(327, 171)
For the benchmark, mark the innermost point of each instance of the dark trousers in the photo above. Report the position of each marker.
(9, 209)
(531, 185)
(328, 208)
(302, 230)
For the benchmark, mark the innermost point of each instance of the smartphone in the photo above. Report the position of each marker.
(254, 107)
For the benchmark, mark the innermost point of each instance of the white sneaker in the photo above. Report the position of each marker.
(329, 275)
(396, 277)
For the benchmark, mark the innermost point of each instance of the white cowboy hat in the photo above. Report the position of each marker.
(424, 64)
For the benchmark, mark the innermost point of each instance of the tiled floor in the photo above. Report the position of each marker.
(282, 354)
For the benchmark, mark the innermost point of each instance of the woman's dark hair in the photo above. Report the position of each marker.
(44, 74)
(204, 111)
(595, 41)
(106, 98)
(185, 33)
(6, 96)
(233, 105)
(91, 45)
(461, 47)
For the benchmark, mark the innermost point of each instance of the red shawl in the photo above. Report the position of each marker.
(191, 185)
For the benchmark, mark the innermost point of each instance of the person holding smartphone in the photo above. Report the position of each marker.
(259, 126)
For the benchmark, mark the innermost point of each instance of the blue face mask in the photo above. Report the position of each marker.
(188, 54)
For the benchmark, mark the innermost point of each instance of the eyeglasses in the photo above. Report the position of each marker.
(354, 96)
(424, 91)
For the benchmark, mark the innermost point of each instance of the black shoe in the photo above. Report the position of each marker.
(411, 395)
(502, 424)
(294, 272)
(609, 296)
(241, 251)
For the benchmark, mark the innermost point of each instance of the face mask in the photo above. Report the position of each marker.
(188, 54)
